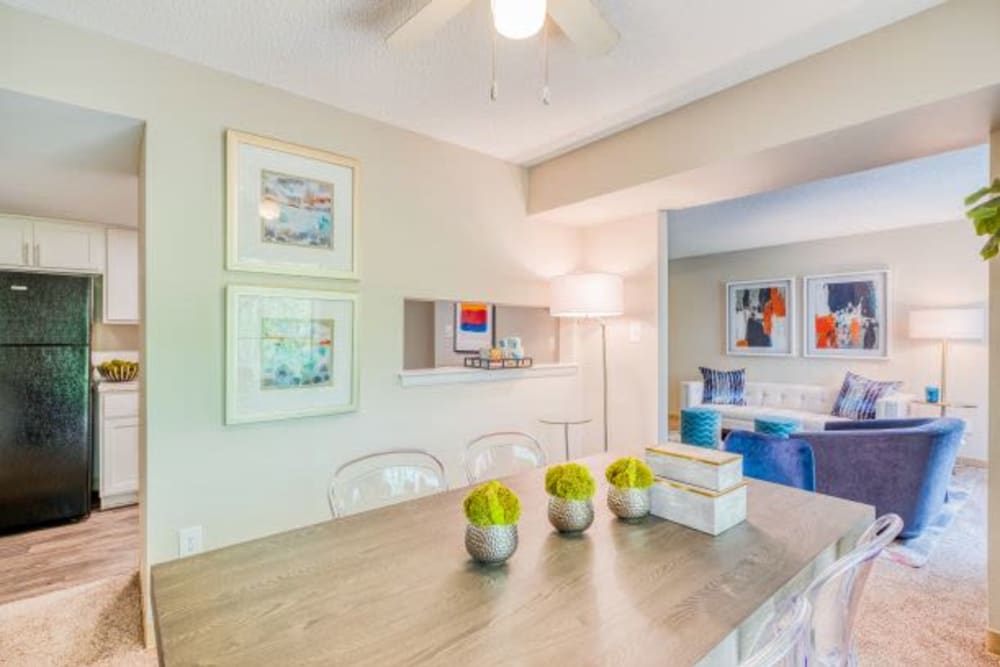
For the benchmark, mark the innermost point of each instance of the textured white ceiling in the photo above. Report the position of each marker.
(910, 193)
(63, 161)
(671, 52)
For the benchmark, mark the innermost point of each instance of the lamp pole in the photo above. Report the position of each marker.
(604, 377)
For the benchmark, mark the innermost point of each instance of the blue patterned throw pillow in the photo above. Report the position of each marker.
(858, 396)
(724, 387)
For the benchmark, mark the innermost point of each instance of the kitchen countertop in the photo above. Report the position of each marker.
(104, 386)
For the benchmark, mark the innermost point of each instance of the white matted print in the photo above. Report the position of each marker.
(290, 353)
(290, 209)
(847, 315)
(760, 318)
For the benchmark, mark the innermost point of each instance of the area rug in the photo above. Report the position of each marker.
(916, 551)
(94, 625)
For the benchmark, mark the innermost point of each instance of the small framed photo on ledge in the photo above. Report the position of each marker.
(290, 353)
(290, 209)
(474, 326)
(760, 318)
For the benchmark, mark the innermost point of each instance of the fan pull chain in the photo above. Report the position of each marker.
(546, 93)
(494, 88)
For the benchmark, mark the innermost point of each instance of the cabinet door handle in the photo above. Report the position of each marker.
(25, 251)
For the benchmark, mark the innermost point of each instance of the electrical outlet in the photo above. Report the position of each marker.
(190, 541)
(449, 331)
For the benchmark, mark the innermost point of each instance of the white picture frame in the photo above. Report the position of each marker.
(842, 325)
(744, 315)
(472, 341)
(276, 343)
(290, 209)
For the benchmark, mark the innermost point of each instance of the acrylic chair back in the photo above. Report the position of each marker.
(385, 478)
(836, 594)
(501, 454)
(784, 640)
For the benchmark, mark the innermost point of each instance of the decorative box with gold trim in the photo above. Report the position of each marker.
(711, 512)
(708, 468)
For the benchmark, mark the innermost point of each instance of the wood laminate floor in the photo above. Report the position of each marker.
(106, 544)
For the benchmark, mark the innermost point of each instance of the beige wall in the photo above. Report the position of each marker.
(931, 265)
(418, 227)
(114, 337)
(628, 248)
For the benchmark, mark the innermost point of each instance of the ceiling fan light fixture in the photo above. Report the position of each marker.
(518, 19)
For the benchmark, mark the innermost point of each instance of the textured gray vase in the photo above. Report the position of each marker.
(491, 544)
(628, 504)
(570, 516)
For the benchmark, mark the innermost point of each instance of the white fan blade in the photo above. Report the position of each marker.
(422, 25)
(584, 25)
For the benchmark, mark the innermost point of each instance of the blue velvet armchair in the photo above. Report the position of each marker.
(901, 466)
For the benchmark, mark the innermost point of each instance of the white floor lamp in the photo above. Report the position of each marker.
(945, 325)
(592, 296)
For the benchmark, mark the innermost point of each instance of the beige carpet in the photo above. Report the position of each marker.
(92, 625)
(934, 615)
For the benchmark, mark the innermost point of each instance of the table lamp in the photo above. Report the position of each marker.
(945, 325)
(591, 296)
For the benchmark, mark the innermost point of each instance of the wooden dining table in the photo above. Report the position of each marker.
(395, 586)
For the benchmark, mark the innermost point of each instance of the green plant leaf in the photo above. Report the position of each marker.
(993, 188)
(992, 248)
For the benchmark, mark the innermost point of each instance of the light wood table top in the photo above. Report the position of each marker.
(395, 586)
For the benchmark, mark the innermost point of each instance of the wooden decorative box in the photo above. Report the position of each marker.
(698, 466)
(711, 512)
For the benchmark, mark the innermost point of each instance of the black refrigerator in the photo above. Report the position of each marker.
(45, 444)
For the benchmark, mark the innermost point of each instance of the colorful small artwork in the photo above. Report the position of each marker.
(473, 326)
(296, 211)
(758, 317)
(847, 315)
(296, 353)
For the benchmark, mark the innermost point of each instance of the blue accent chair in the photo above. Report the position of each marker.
(901, 466)
(774, 458)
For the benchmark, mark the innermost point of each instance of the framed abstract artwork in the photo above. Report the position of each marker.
(760, 317)
(290, 353)
(473, 326)
(847, 315)
(290, 209)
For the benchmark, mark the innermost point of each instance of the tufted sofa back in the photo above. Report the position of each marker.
(805, 397)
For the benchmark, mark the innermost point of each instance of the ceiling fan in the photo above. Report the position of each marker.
(579, 20)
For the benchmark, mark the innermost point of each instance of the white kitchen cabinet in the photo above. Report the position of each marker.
(121, 277)
(68, 247)
(117, 443)
(16, 242)
(35, 244)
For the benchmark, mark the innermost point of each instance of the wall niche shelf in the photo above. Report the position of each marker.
(456, 375)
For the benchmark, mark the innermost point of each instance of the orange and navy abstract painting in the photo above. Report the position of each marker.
(759, 317)
(846, 314)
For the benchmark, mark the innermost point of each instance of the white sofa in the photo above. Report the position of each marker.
(812, 404)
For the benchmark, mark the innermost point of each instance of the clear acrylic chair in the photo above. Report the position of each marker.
(836, 593)
(784, 641)
(384, 478)
(501, 454)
